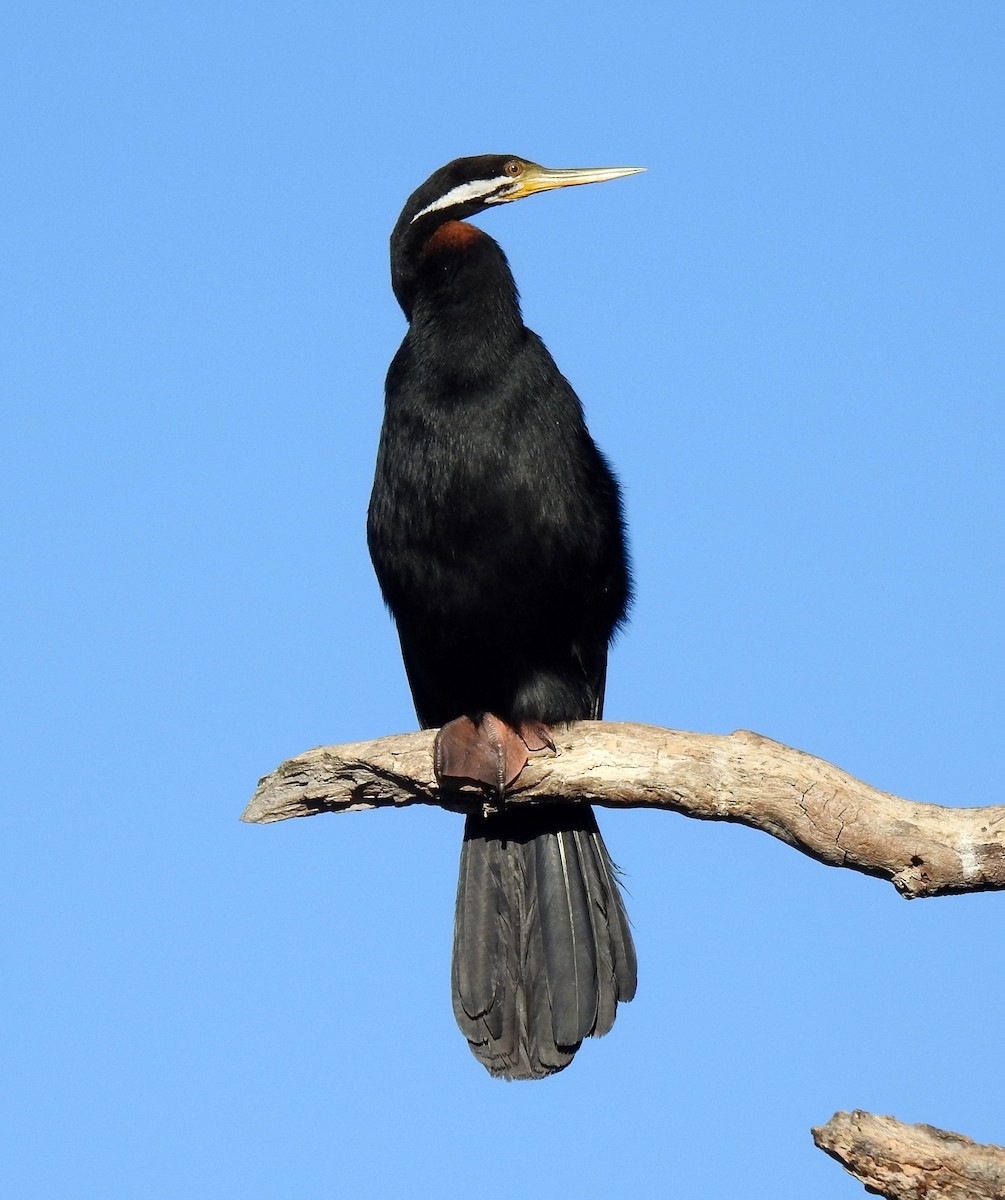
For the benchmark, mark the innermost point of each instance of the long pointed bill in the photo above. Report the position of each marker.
(543, 179)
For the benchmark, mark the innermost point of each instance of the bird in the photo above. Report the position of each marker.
(497, 534)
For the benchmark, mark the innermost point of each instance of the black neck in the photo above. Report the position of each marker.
(407, 240)
(455, 285)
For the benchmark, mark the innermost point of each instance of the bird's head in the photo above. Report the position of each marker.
(461, 189)
(470, 185)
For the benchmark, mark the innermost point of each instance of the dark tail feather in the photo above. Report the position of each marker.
(542, 947)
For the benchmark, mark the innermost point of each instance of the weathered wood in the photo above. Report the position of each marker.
(905, 1162)
(924, 849)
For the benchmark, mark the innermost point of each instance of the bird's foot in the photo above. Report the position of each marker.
(536, 736)
(490, 751)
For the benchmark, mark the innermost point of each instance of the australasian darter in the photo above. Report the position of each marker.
(496, 531)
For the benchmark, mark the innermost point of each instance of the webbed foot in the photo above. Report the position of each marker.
(490, 751)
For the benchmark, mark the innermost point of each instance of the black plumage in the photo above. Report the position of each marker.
(496, 532)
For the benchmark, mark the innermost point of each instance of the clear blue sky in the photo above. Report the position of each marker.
(788, 337)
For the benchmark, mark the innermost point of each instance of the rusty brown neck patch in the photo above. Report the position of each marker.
(454, 235)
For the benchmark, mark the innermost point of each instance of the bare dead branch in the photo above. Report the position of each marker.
(924, 849)
(903, 1162)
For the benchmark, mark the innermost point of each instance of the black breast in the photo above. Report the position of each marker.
(495, 524)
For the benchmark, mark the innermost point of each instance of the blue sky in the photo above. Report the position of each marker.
(787, 335)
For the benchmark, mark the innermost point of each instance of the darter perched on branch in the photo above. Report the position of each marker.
(496, 532)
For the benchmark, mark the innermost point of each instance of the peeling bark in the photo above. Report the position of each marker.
(923, 849)
(911, 1162)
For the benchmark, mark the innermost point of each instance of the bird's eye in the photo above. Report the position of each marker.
(513, 168)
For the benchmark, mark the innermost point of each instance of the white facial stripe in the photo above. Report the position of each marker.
(478, 189)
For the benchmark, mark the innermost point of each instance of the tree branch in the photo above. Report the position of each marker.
(903, 1162)
(924, 849)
